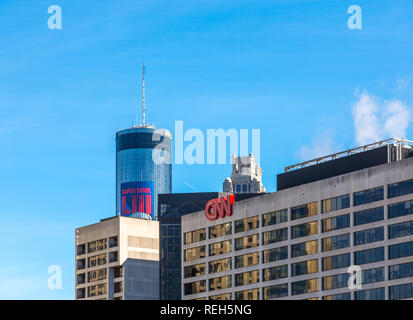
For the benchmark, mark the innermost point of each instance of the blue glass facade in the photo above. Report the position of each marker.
(143, 170)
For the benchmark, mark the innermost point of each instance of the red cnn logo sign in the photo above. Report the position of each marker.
(219, 207)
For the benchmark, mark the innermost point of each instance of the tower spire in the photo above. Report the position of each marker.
(143, 93)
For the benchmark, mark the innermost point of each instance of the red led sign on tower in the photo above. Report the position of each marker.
(219, 207)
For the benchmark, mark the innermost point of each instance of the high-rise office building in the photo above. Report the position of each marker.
(171, 208)
(118, 259)
(350, 209)
(139, 178)
(143, 168)
(246, 176)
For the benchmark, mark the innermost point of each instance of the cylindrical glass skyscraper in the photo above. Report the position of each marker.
(143, 170)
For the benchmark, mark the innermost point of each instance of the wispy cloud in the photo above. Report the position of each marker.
(375, 119)
(366, 123)
(323, 144)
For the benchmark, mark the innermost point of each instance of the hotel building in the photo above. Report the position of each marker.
(353, 208)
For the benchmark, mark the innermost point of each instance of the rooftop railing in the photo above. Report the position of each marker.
(398, 142)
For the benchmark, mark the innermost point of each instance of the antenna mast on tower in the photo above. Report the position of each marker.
(143, 94)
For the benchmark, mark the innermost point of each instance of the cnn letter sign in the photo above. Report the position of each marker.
(219, 207)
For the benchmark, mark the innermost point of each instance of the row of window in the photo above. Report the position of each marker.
(97, 245)
(311, 228)
(305, 248)
(97, 290)
(98, 260)
(310, 266)
(307, 210)
(403, 291)
(98, 275)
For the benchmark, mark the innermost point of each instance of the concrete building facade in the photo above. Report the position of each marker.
(299, 242)
(116, 259)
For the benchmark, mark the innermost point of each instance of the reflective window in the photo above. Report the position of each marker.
(275, 254)
(246, 260)
(304, 267)
(367, 196)
(336, 262)
(368, 236)
(80, 264)
(277, 291)
(336, 242)
(97, 290)
(336, 281)
(80, 293)
(336, 203)
(369, 255)
(247, 224)
(195, 236)
(373, 275)
(220, 283)
(368, 216)
(401, 230)
(220, 230)
(247, 242)
(97, 245)
(225, 296)
(274, 236)
(195, 287)
(220, 265)
(306, 286)
(304, 248)
(401, 250)
(276, 217)
(306, 210)
(252, 294)
(400, 188)
(372, 294)
(336, 223)
(305, 229)
(97, 275)
(248, 277)
(399, 271)
(194, 270)
(402, 291)
(275, 273)
(194, 253)
(400, 209)
(220, 247)
(340, 296)
(80, 278)
(81, 249)
(97, 260)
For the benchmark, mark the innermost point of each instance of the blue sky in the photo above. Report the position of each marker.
(291, 68)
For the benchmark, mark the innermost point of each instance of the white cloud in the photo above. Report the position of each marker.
(365, 118)
(397, 119)
(376, 120)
